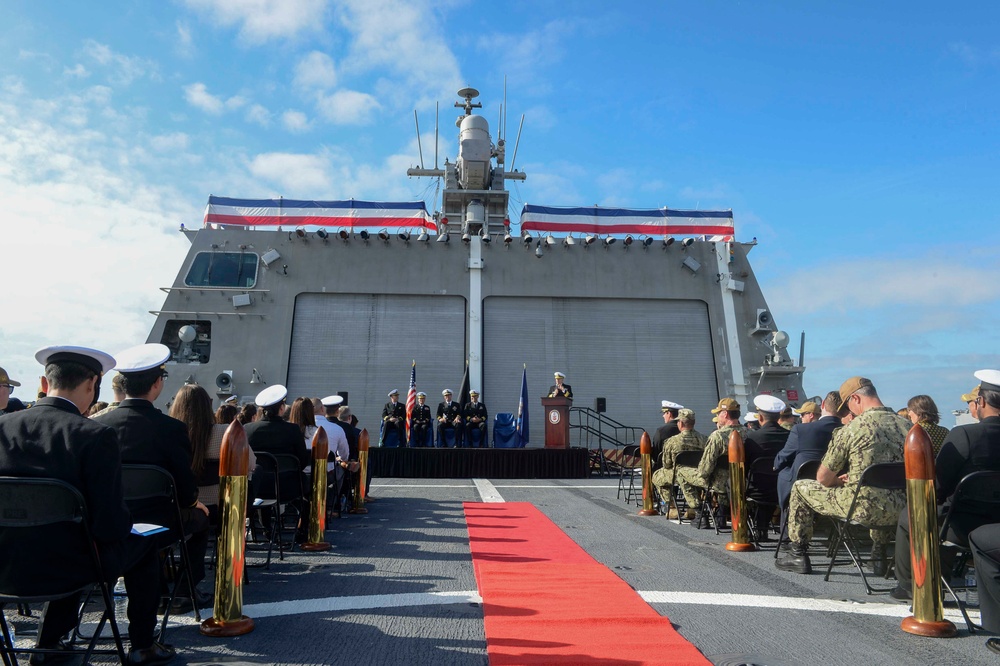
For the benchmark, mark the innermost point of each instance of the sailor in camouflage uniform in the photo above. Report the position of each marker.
(688, 439)
(709, 475)
(875, 435)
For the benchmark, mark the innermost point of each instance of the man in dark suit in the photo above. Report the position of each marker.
(765, 442)
(394, 418)
(347, 421)
(985, 543)
(449, 418)
(147, 436)
(666, 431)
(559, 389)
(807, 441)
(966, 449)
(53, 439)
(475, 417)
(272, 434)
(420, 422)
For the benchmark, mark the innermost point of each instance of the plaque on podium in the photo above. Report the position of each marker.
(556, 412)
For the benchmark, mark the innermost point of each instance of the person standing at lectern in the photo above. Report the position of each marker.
(559, 389)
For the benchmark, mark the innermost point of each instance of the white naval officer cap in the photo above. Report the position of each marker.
(559, 375)
(98, 361)
(392, 393)
(142, 357)
(474, 392)
(332, 400)
(768, 403)
(421, 394)
(446, 392)
(751, 416)
(989, 380)
(272, 395)
(666, 404)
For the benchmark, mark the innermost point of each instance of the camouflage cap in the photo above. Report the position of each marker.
(726, 405)
(808, 408)
(686, 415)
(852, 386)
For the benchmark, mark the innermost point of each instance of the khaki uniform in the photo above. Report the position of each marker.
(874, 437)
(690, 440)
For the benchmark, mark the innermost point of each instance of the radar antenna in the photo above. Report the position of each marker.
(469, 94)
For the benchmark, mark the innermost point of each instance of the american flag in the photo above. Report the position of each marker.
(411, 399)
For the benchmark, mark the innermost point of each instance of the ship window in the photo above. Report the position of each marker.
(223, 269)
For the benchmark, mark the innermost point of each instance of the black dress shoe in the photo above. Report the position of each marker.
(901, 593)
(157, 653)
(993, 644)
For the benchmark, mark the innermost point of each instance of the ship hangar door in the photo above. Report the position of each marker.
(365, 343)
(633, 352)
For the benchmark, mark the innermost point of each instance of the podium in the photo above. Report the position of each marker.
(556, 412)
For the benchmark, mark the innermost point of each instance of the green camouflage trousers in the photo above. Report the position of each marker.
(877, 509)
(691, 484)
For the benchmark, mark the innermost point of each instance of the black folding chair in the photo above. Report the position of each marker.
(716, 514)
(264, 512)
(883, 476)
(47, 519)
(629, 468)
(142, 484)
(807, 470)
(977, 494)
(762, 493)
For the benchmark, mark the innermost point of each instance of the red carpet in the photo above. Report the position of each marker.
(546, 601)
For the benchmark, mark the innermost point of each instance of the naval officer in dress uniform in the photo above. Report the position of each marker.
(559, 389)
(449, 417)
(475, 416)
(147, 436)
(666, 431)
(54, 439)
(420, 421)
(394, 416)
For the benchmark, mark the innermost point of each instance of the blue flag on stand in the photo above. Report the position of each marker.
(522, 411)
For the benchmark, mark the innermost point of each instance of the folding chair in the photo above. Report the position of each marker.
(48, 520)
(629, 467)
(762, 493)
(977, 494)
(807, 470)
(883, 476)
(715, 514)
(265, 509)
(142, 484)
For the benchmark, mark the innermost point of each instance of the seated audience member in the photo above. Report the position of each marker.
(875, 435)
(55, 440)
(226, 413)
(96, 408)
(303, 415)
(806, 441)
(670, 410)
(118, 389)
(966, 449)
(687, 439)
(923, 410)
(787, 418)
(248, 413)
(709, 475)
(147, 436)
(7, 386)
(985, 543)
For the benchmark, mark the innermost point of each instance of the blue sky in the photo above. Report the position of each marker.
(859, 144)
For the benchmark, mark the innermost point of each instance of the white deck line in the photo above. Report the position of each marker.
(487, 491)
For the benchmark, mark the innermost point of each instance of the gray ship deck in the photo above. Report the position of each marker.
(398, 588)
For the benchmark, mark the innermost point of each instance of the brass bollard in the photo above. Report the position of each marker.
(360, 488)
(317, 501)
(921, 502)
(646, 454)
(234, 463)
(738, 495)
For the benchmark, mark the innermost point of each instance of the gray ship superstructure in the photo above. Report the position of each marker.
(345, 296)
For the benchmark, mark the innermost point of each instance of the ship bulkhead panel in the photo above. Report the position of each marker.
(633, 352)
(365, 344)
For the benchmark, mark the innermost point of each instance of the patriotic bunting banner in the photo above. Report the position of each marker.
(295, 213)
(715, 224)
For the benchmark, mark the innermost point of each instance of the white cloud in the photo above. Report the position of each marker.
(185, 42)
(315, 71)
(78, 71)
(170, 142)
(197, 95)
(295, 173)
(122, 69)
(347, 107)
(262, 20)
(235, 102)
(295, 121)
(258, 115)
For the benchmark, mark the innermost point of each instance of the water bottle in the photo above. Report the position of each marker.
(971, 591)
(121, 600)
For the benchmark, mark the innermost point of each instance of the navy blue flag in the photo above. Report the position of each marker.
(522, 411)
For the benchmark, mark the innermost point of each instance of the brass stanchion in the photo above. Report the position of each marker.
(317, 503)
(738, 495)
(360, 489)
(921, 501)
(234, 463)
(646, 455)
